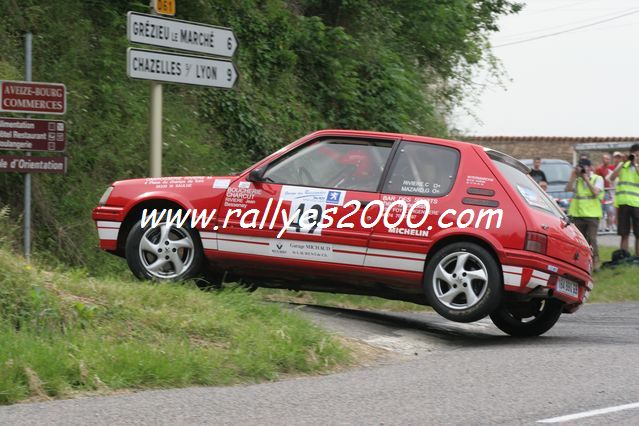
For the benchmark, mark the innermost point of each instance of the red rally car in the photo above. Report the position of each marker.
(448, 224)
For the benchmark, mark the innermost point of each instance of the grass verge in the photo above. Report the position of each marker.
(63, 332)
(618, 284)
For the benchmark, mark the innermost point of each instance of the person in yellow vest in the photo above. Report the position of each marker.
(627, 198)
(585, 207)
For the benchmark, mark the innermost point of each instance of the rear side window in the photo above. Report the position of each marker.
(423, 170)
(526, 188)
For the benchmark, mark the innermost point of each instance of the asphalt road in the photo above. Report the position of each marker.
(436, 372)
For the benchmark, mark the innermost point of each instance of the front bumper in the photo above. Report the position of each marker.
(108, 221)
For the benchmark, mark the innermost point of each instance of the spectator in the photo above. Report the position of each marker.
(627, 198)
(536, 173)
(585, 207)
(605, 170)
(544, 185)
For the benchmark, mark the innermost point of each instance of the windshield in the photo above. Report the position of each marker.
(526, 187)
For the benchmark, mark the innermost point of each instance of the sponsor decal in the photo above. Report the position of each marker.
(478, 180)
(335, 197)
(301, 250)
(221, 183)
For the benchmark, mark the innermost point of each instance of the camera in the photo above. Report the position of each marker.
(581, 170)
(631, 158)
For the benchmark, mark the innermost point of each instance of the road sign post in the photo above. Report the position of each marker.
(27, 177)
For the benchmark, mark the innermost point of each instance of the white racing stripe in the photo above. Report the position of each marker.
(513, 280)
(108, 233)
(590, 413)
(316, 251)
(108, 224)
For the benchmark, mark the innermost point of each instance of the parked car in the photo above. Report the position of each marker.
(558, 173)
(448, 224)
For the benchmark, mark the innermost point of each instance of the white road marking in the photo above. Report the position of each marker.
(590, 413)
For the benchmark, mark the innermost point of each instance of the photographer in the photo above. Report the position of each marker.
(585, 207)
(627, 198)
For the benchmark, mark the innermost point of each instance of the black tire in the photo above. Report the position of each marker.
(476, 291)
(141, 259)
(527, 319)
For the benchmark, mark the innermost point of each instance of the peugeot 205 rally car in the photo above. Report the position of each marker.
(448, 224)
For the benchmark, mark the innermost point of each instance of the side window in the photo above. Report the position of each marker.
(423, 170)
(343, 164)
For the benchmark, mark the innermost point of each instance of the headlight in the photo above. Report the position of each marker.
(105, 196)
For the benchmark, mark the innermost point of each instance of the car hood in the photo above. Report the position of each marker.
(190, 191)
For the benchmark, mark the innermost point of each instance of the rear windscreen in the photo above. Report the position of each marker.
(527, 189)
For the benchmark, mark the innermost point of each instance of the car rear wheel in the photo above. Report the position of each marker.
(463, 282)
(164, 253)
(527, 319)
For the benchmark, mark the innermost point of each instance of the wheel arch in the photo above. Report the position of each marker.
(466, 238)
(134, 214)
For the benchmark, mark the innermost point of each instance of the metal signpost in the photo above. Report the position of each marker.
(158, 66)
(17, 134)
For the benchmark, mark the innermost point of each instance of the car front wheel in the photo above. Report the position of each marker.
(164, 253)
(463, 282)
(527, 319)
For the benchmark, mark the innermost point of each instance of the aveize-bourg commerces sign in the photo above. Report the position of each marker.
(33, 98)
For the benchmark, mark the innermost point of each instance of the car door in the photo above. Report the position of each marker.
(414, 194)
(321, 185)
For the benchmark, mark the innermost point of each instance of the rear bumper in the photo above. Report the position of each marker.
(108, 221)
(525, 271)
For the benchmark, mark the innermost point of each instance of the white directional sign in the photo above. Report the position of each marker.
(162, 66)
(182, 35)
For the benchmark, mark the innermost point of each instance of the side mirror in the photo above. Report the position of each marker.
(256, 175)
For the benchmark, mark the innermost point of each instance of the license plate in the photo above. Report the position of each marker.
(567, 287)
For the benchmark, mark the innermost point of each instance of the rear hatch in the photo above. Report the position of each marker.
(564, 241)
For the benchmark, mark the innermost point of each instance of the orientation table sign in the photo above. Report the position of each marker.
(13, 163)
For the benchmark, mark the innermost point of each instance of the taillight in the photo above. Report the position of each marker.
(536, 242)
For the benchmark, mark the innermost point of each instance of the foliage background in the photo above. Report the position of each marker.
(392, 65)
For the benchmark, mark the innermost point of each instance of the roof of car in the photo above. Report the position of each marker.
(406, 136)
